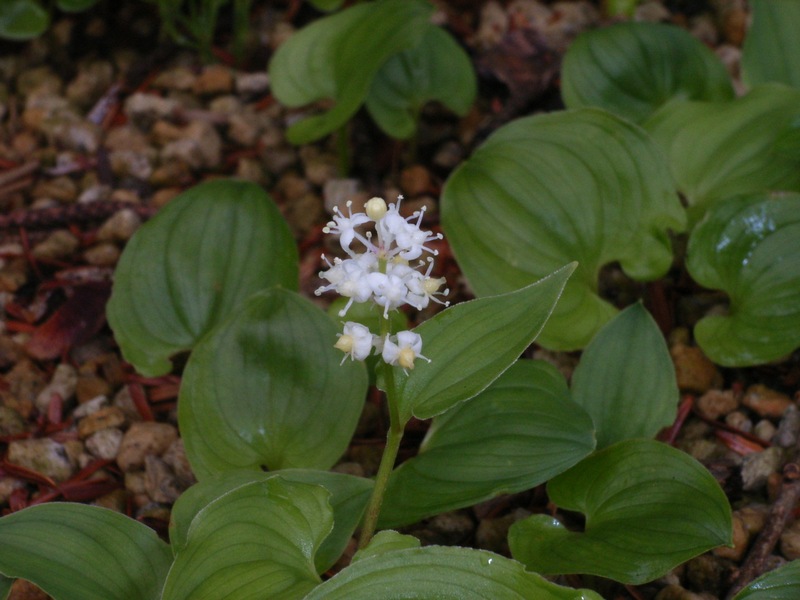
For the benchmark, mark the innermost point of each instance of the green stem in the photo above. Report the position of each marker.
(393, 439)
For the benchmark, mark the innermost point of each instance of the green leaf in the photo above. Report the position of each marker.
(626, 380)
(5, 587)
(192, 265)
(781, 584)
(87, 552)
(327, 5)
(631, 69)
(75, 5)
(720, 149)
(22, 20)
(386, 541)
(266, 389)
(435, 69)
(348, 497)
(648, 507)
(470, 345)
(748, 247)
(541, 191)
(518, 433)
(620, 8)
(256, 541)
(771, 50)
(337, 57)
(442, 573)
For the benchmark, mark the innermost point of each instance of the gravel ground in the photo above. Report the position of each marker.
(101, 124)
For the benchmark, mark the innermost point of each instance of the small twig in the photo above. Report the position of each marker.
(18, 172)
(16, 186)
(105, 105)
(59, 216)
(781, 512)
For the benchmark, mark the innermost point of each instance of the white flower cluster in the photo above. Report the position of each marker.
(381, 273)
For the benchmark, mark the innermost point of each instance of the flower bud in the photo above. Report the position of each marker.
(376, 208)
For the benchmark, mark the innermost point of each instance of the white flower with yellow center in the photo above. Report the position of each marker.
(355, 341)
(381, 274)
(404, 351)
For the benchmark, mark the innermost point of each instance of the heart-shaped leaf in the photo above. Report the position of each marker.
(348, 497)
(781, 584)
(256, 541)
(78, 551)
(22, 20)
(577, 185)
(192, 265)
(748, 247)
(435, 69)
(518, 433)
(720, 149)
(771, 50)
(470, 345)
(631, 69)
(626, 380)
(442, 573)
(265, 390)
(648, 507)
(337, 57)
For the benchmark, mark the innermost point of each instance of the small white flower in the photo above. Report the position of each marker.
(345, 227)
(404, 351)
(355, 341)
(424, 288)
(390, 291)
(411, 240)
(380, 273)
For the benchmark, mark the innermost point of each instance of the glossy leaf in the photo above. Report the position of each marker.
(470, 345)
(442, 573)
(720, 149)
(771, 50)
(192, 265)
(577, 185)
(22, 20)
(648, 508)
(626, 380)
(348, 497)
(266, 390)
(337, 57)
(748, 247)
(631, 69)
(87, 552)
(781, 584)
(520, 432)
(256, 541)
(386, 541)
(435, 69)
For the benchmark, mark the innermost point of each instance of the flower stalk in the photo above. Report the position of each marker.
(382, 274)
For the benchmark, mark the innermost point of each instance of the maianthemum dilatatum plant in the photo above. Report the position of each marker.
(272, 391)
(191, 23)
(386, 55)
(273, 385)
(654, 143)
